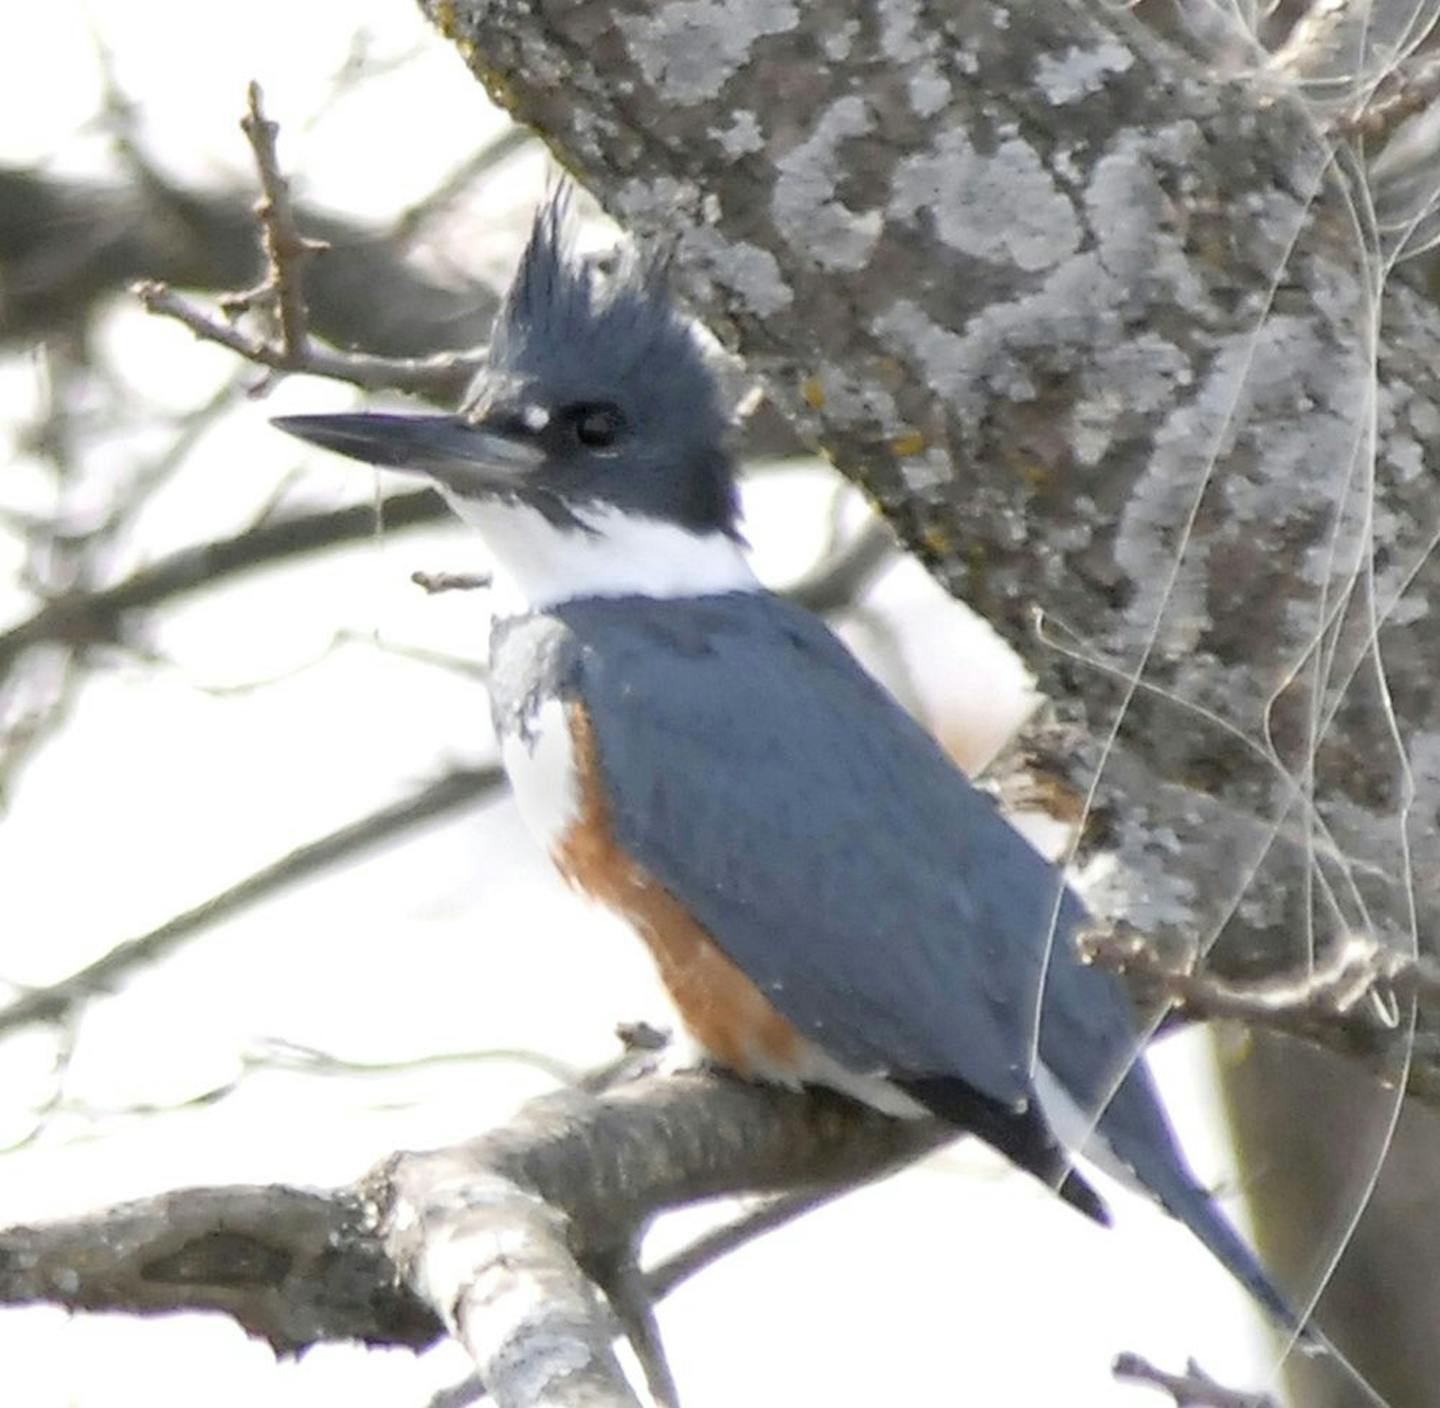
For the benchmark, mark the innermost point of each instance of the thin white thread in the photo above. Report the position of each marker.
(1322, 659)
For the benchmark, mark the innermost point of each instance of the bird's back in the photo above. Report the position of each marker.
(819, 834)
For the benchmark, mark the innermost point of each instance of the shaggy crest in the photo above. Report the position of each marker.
(600, 327)
(576, 331)
(596, 403)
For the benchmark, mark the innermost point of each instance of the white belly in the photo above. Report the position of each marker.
(541, 767)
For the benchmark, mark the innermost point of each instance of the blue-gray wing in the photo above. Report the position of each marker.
(818, 834)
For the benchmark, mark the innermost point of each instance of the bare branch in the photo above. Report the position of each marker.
(290, 1266)
(281, 292)
(845, 573)
(286, 249)
(469, 1390)
(1192, 1389)
(58, 1000)
(608, 1164)
(65, 244)
(711, 1246)
(487, 1238)
(412, 221)
(1326, 48)
(629, 1294)
(1410, 91)
(436, 582)
(1351, 974)
(422, 376)
(97, 617)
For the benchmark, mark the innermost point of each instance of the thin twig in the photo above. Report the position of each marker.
(436, 582)
(411, 222)
(281, 291)
(96, 617)
(279, 1054)
(1411, 90)
(48, 1109)
(1311, 49)
(632, 1301)
(26, 728)
(469, 1390)
(708, 1248)
(640, 1048)
(287, 251)
(844, 574)
(418, 375)
(1192, 1389)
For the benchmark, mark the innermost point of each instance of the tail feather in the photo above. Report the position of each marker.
(1189, 1203)
(1135, 1128)
(1087, 1043)
(1022, 1136)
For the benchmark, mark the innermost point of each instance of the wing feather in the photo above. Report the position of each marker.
(820, 836)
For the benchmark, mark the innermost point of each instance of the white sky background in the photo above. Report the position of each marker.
(933, 1288)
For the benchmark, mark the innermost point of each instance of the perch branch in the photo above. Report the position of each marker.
(486, 1239)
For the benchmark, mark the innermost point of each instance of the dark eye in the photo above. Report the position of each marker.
(597, 427)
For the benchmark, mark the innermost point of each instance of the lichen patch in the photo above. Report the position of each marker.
(690, 49)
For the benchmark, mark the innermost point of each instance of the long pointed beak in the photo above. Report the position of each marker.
(468, 458)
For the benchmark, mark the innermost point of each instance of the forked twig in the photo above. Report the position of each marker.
(287, 251)
(280, 294)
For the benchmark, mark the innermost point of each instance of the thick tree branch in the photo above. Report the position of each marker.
(290, 1266)
(487, 1239)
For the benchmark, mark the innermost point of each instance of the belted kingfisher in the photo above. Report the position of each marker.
(828, 899)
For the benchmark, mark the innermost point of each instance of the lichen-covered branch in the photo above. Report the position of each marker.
(290, 1266)
(1103, 329)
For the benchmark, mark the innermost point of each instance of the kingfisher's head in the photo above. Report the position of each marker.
(592, 450)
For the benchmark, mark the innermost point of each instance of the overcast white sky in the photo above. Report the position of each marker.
(936, 1287)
